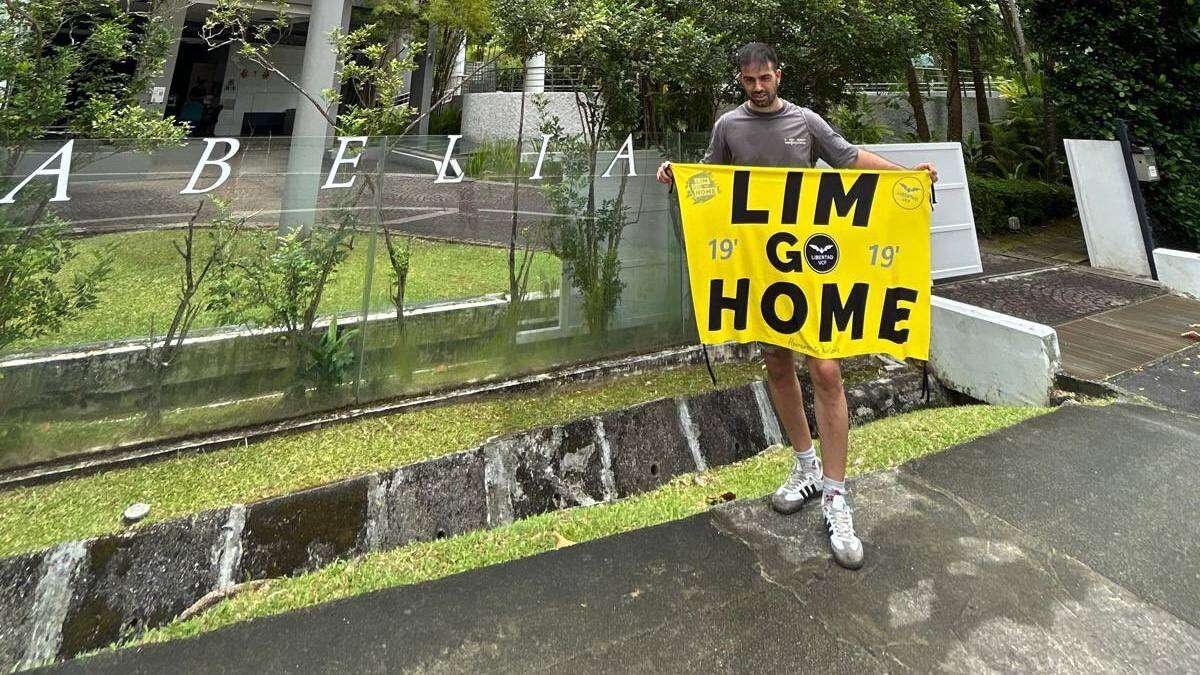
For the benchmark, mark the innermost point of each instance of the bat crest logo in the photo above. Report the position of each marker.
(908, 193)
(821, 252)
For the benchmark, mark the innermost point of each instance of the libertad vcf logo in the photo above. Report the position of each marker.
(821, 252)
(701, 187)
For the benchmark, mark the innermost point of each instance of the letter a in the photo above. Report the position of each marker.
(449, 162)
(626, 146)
(63, 157)
(221, 162)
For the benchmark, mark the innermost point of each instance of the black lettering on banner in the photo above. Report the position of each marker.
(893, 314)
(792, 261)
(742, 215)
(853, 312)
(832, 193)
(718, 303)
(790, 325)
(791, 197)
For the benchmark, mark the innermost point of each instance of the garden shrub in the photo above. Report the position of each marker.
(1137, 60)
(994, 200)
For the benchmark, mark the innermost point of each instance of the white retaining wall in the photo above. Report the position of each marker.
(1179, 271)
(495, 115)
(993, 357)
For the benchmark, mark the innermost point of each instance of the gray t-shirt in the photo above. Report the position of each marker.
(791, 137)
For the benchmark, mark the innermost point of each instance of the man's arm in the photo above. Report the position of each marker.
(871, 161)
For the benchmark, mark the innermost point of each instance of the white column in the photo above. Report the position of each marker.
(460, 68)
(535, 74)
(172, 16)
(310, 129)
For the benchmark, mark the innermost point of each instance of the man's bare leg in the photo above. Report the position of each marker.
(787, 396)
(833, 421)
(804, 480)
(833, 417)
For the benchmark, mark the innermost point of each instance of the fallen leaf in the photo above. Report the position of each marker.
(561, 541)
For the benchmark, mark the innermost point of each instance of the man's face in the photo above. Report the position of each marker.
(761, 82)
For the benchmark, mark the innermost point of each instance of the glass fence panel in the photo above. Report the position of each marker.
(212, 284)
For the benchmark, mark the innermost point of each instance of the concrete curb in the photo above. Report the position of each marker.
(85, 595)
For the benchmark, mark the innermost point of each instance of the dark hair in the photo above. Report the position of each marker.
(756, 53)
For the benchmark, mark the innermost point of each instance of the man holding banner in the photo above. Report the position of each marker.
(826, 263)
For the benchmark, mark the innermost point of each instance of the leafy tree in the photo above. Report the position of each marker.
(1138, 60)
(197, 266)
(373, 60)
(523, 28)
(277, 283)
(65, 64)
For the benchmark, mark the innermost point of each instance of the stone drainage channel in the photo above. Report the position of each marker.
(84, 595)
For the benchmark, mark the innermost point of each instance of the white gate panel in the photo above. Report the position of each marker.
(955, 246)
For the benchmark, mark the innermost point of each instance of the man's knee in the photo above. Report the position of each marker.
(781, 364)
(826, 375)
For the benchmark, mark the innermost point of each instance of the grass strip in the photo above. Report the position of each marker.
(39, 516)
(878, 445)
(146, 270)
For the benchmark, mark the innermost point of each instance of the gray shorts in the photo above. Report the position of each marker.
(764, 348)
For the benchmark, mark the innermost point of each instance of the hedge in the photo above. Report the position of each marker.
(994, 200)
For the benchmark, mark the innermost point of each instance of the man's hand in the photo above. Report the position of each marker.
(665, 175)
(933, 174)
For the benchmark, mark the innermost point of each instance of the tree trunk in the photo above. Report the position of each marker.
(647, 95)
(981, 99)
(953, 94)
(1049, 116)
(917, 100)
(514, 285)
(1012, 18)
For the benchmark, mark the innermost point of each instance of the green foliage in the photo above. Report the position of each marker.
(446, 120)
(34, 299)
(587, 237)
(1138, 60)
(491, 159)
(279, 283)
(1035, 203)
(279, 280)
(197, 266)
(330, 358)
(79, 82)
(376, 76)
(856, 120)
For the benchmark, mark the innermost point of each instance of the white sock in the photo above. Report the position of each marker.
(832, 487)
(808, 459)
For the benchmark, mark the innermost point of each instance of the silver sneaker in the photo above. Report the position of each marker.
(800, 486)
(839, 519)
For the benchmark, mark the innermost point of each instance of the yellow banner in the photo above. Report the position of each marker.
(829, 263)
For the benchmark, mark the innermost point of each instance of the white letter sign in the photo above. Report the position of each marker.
(448, 162)
(63, 157)
(340, 160)
(627, 153)
(234, 146)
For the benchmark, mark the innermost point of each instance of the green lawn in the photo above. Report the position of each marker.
(39, 516)
(875, 446)
(145, 283)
